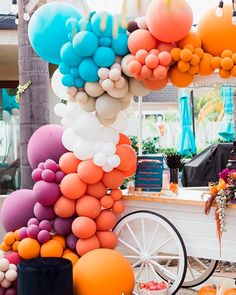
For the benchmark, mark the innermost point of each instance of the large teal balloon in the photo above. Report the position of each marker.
(102, 24)
(88, 70)
(85, 43)
(104, 57)
(47, 29)
(69, 56)
(120, 44)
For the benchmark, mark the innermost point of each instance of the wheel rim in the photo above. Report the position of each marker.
(146, 239)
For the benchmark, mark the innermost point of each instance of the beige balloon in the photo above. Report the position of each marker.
(89, 106)
(119, 93)
(124, 105)
(127, 97)
(124, 64)
(137, 88)
(105, 122)
(93, 89)
(107, 107)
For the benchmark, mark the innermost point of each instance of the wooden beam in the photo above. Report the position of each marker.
(9, 84)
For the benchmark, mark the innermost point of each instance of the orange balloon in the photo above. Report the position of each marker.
(89, 172)
(88, 206)
(186, 54)
(106, 220)
(15, 246)
(128, 157)
(51, 248)
(134, 67)
(216, 62)
(199, 52)
(169, 25)
(116, 194)
(227, 63)
(193, 70)
(157, 84)
(224, 74)
(67, 251)
(124, 139)
(107, 239)
(192, 38)
(97, 190)
(85, 245)
(217, 33)
(141, 39)
(9, 238)
(183, 66)
(83, 227)
(64, 207)
(72, 257)
(69, 163)
(130, 172)
(179, 79)
(195, 60)
(205, 67)
(103, 272)
(233, 71)
(227, 53)
(29, 248)
(141, 55)
(113, 179)
(190, 47)
(175, 54)
(5, 247)
(118, 207)
(151, 61)
(234, 58)
(107, 202)
(72, 187)
(17, 235)
(60, 239)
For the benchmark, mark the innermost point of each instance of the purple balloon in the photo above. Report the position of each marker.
(45, 144)
(43, 236)
(17, 209)
(33, 231)
(23, 233)
(59, 175)
(62, 226)
(43, 212)
(41, 165)
(71, 241)
(37, 174)
(2, 291)
(45, 225)
(51, 165)
(48, 175)
(11, 291)
(46, 193)
(33, 221)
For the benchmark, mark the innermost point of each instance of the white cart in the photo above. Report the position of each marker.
(164, 236)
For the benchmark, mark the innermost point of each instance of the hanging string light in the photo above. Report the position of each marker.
(219, 9)
(234, 13)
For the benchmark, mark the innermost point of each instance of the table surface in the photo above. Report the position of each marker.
(186, 196)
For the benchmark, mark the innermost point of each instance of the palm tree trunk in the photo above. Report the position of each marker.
(34, 102)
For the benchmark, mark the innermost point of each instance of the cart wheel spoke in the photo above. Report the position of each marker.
(153, 271)
(190, 269)
(139, 272)
(129, 246)
(131, 257)
(133, 236)
(159, 257)
(136, 263)
(199, 262)
(170, 274)
(162, 245)
(153, 237)
(143, 234)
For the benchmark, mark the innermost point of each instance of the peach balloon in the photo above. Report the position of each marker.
(132, 170)
(69, 163)
(152, 61)
(64, 207)
(118, 207)
(134, 67)
(85, 245)
(141, 55)
(124, 139)
(128, 157)
(88, 206)
(164, 58)
(165, 46)
(217, 33)
(224, 74)
(116, 194)
(29, 248)
(61, 240)
(154, 51)
(141, 39)
(107, 202)
(216, 62)
(192, 38)
(97, 190)
(145, 72)
(113, 179)
(83, 227)
(106, 220)
(160, 72)
(107, 239)
(157, 84)
(169, 21)
(51, 248)
(227, 53)
(205, 67)
(72, 187)
(227, 63)
(89, 172)
(72, 257)
(180, 79)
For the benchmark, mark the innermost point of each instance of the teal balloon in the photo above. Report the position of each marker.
(105, 42)
(67, 80)
(102, 24)
(118, 23)
(79, 83)
(120, 44)
(72, 25)
(88, 70)
(70, 37)
(74, 72)
(69, 56)
(85, 25)
(64, 69)
(8, 102)
(85, 43)
(104, 57)
(47, 29)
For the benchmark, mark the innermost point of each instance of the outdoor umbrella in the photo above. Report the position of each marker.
(187, 145)
(227, 125)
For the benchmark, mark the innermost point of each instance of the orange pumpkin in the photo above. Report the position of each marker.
(231, 291)
(208, 290)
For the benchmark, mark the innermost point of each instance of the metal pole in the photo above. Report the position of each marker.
(192, 111)
(140, 131)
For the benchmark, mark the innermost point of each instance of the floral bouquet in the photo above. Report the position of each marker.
(221, 193)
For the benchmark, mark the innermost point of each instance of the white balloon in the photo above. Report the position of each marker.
(109, 134)
(99, 159)
(58, 88)
(1, 254)
(113, 161)
(121, 123)
(6, 116)
(98, 146)
(83, 149)
(59, 109)
(105, 122)
(109, 149)
(2, 276)
(107, 168)
(124, 64)
(12, 266)
(69, 138)
(66, 122)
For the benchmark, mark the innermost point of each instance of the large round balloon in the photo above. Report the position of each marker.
(169, 21)
(102, 24)
(217, 33)
(47, 29)
(45, 143)
(17, 209)
(103, 272)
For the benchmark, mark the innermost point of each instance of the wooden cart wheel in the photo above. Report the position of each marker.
(147, 240)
